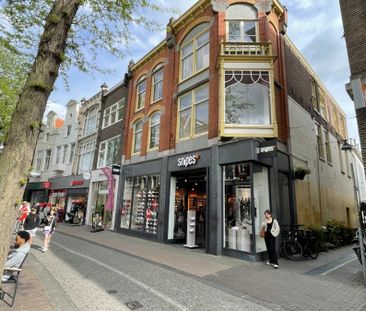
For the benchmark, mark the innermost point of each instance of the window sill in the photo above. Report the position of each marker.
(156, 101)
(193, 75)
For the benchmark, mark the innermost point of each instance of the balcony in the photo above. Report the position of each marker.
(60, 167)
(246, 49)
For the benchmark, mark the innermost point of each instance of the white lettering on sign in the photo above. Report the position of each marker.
(266, 149)
(187, 161)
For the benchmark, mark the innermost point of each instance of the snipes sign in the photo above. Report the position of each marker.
(188, 160)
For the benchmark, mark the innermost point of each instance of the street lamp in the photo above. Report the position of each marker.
(348, 147)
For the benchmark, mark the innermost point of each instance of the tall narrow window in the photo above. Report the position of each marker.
(47, 159)
(341, 160)
(39, 161)
(195, 51)
(154, 130)
(72, 153)
(58, 154)
(108, 152)
(137, 136)
(141, 93)
(157, 81)
(90, 122)
(314, 97)
(320, 142)
(193, 113)
(327, 146)
(321, 103)
(64, 157)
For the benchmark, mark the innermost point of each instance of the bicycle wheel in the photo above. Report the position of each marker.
(293, 250)
(282, 248)
(313, 248)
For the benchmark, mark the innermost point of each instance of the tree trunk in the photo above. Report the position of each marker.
(16, 158)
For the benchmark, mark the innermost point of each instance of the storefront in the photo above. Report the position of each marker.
(98, 198)
(36, 192)
(70, 193)
(212, 198)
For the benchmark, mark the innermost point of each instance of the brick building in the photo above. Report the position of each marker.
(219, 116)
(108, 148)
(354, 21)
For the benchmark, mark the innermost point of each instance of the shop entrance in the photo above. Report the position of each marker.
(190, 208)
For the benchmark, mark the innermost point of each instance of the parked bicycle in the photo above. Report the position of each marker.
(290, 246)
(309, 243)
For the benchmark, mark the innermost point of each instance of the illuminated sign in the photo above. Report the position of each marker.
(76, 182)
(188, 160)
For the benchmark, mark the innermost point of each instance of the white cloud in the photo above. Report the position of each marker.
(60, 109)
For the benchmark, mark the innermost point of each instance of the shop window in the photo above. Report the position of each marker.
(247, 97)
(238, 207)
(193, 113)
(141, 93)
(195, 51)
(157, 82)
(109, 152)
(137, 136)
(241, 21)
(141, 204)
(245, 200)
(154, 130)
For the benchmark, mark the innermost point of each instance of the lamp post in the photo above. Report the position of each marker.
(348, 147)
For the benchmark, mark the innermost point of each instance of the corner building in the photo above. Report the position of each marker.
(207, 135)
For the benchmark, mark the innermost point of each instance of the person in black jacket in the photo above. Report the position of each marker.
(31, 223)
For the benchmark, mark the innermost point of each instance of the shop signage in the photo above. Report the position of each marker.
(267, 149)
(116, 169)
(76, 182)
(188, 160)
(46, 185)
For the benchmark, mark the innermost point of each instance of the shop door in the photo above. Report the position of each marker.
(190, 209)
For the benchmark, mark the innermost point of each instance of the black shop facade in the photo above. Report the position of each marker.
(211, 198)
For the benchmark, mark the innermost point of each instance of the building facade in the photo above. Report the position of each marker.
(104, 185)
(210, 140)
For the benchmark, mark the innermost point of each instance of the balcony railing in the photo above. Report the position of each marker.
(246, 49)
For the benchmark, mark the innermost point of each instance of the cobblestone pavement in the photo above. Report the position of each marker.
(105, 270)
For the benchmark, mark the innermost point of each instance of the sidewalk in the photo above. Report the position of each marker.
(336, 272)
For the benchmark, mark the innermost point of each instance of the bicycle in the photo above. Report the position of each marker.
(309, 243)
(290, 246)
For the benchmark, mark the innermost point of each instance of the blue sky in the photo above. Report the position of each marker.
(315, 26)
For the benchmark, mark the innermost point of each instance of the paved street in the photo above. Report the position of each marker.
(109, 271)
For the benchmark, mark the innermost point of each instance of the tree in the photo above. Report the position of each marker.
(12, 77)
(66, 30)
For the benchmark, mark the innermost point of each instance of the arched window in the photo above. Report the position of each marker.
(241, 21)
(157, 83)
(140, 93)
(137, 136)
(195, 51)
(154, 130)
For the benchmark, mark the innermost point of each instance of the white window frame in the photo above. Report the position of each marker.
(47, 161)
(90, 124)
(108, 113)
(39, 161)
(64, 156)
(87, 147)
(320, 141)
(103, 151)
(243, 36)
(58, 154)
(328, 149)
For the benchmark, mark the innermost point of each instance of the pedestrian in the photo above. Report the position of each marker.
(17, 254)
(31, 223)
(24, 210)
(271, 231)
(48, 230)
